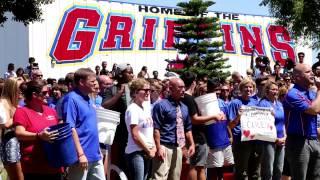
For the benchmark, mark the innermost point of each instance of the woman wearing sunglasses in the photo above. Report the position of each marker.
(31, 128)
(140, 148)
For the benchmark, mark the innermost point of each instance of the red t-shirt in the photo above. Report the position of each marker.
(33, 158)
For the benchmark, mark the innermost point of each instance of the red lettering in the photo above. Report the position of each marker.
(248, 39)
(77, 34)
(169, 37)
(119, 33)
(148, 41)
(228, 44)
(281, 44)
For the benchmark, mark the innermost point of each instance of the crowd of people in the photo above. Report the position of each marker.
(161, 131)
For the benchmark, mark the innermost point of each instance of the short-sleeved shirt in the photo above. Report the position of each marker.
(217, 133)
(164, 117)
(79, 111)
(278, 115)
(233, 109)
(136, 115)
(33, 158)
(189, 101)
(298, 122)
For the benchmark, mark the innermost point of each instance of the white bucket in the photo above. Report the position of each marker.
(208, 105)
(107, 125)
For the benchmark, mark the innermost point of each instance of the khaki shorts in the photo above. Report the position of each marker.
(220, 157)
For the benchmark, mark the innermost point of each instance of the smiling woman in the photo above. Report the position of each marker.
(32, 122)
(140, 148)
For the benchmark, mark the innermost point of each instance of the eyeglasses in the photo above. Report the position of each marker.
(301, 56)
(43, 93)
(145, 90)
(38, 75)
(227, 90)
(287, 79)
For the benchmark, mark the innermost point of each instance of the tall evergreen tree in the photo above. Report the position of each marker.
(198, 36)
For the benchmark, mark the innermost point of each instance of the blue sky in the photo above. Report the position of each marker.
(236, 6)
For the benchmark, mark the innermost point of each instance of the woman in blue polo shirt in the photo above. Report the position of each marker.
(273, 152)
(246, 154)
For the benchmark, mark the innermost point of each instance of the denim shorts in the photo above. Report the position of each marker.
(10, 148)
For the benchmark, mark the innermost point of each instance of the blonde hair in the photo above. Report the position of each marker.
(137, 84)
(10, 91)
(245, 82)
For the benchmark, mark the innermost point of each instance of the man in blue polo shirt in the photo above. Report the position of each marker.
(172, 125)
(301, 108)
(78, 110)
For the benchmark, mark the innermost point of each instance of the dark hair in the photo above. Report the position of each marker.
(11, 66)
(19, 69)
(69, 78)
(213, 83)
(301, 53)
(144, 68)
(259, 80)
(290, 64)
(32, 59)
(82, 74)
(276, 64)
(188, 78)
(34, 86)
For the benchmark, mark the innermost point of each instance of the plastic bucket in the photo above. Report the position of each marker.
(60, 127)
(61, 152)
(64, 133)
(208, 105)
(107, 128)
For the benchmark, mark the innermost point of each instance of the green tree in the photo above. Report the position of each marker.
(301, 17)
(198, 38)
(24, 11)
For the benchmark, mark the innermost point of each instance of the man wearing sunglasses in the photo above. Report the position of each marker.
(36, 74)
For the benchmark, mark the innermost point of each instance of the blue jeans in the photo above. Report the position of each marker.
(272, 161)
(304, 157)
(138, 165)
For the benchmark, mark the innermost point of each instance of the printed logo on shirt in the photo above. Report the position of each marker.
(148, 123)
(50, 117)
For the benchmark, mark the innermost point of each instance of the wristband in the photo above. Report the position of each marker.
(80, 155)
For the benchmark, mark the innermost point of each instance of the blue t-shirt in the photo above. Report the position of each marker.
(278, 115)
(233, 109)
(164, 117)
(299, 123)
(79, 111)
(217, 133)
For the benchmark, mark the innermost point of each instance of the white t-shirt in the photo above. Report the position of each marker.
(141, 117)
(3, 114)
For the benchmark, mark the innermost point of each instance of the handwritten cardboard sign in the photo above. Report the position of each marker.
(257, 123)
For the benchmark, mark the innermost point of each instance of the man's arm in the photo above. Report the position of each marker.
(190, 141)
(196, 119)
(160, 149)
(314, 108)
(114, 99)
(83, 161)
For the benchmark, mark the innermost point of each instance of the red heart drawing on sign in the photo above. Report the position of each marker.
(246, 133)
(252, 136)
